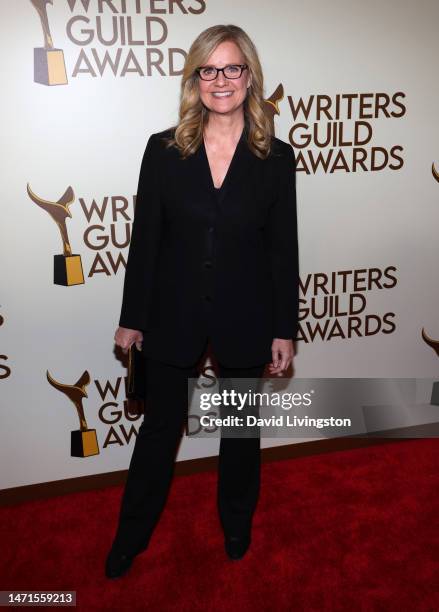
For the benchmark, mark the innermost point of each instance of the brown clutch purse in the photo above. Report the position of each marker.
(136, 383)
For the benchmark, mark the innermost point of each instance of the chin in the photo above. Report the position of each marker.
(221, 107)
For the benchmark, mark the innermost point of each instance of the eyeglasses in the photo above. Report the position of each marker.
(232, 71)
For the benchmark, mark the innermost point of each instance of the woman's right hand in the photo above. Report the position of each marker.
(125, 337)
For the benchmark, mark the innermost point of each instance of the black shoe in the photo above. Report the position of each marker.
(117, 564)
(236, 546)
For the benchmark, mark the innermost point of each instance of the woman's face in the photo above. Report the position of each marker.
(225, 96)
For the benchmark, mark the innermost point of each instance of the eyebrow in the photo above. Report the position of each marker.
(213, 65)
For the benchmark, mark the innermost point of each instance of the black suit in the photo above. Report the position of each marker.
(239, 255)
(239, 250)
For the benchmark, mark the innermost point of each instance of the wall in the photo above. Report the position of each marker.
(368, 206)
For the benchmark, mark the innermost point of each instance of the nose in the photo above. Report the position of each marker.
(220, 79)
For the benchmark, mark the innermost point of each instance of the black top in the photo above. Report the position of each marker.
(218, 191)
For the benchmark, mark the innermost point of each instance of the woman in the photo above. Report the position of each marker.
(213, 258)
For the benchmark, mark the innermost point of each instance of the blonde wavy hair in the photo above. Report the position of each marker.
(193, 115)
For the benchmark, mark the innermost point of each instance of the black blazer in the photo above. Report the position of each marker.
(200, 267)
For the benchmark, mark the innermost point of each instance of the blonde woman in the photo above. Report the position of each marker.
(213, 259)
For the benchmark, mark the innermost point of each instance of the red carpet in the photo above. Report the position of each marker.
(351, 530)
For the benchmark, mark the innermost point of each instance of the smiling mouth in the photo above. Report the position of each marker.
(222, 94)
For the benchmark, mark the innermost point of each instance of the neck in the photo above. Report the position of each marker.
(224, 127)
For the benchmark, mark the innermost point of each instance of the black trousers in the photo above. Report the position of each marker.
(153, 459)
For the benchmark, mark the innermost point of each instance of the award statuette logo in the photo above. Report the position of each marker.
(434, 344)
(271, 107)
(49, 66)
(84, 441)
(67, 268)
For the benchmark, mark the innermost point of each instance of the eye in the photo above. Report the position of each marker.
(233, 68)
(207, 70)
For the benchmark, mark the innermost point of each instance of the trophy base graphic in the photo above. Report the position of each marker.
(84, 443)
(435, 394)
(67, 270)
(49, 67)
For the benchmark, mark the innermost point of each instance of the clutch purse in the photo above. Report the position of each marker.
(136, 383)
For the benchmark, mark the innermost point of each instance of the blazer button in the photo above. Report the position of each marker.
(211, 230)
(207, 298)
(207, 263)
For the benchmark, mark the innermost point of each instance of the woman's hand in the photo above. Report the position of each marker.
(125, 337)
(283, 353)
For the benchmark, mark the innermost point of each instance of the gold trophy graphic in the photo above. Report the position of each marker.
(49, 66)
(67, 268)
(84, 441)
(435, 346)
(272, 104)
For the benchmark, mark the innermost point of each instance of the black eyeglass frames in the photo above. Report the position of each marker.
(232, 71)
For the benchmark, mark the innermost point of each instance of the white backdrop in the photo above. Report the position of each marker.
(90, 134)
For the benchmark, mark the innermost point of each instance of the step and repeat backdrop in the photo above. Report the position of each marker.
(351, 85)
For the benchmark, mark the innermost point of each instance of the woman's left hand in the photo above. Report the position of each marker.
(283, 353)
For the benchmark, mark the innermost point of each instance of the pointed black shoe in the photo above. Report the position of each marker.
(117, 564)
(236, 546)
